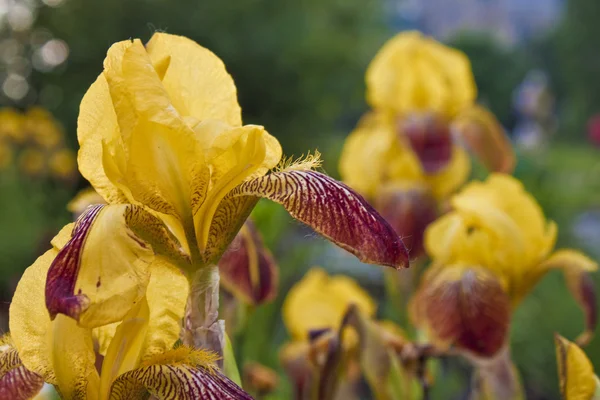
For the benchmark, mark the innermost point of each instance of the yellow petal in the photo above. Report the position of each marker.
(59, 351)
(575, 371)
(97, 122)
(182, 373)
(235, 155)
(319, 302)
(415, 73)
(126, 346)
(162, 152)
(576, 268)
(365, 162)
(103, 270)
(196, 79)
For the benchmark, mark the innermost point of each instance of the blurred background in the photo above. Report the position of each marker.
(299, 67)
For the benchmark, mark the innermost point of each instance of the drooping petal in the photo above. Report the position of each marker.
(103, 270)
(333, 210)
(465, 307)
(16, 381)
(575, 371)
(183, 373)
(409, 209)
(247, 268)
(196, 79)
(59, 351)
(479, 129)
(576, 268)
(429, 137)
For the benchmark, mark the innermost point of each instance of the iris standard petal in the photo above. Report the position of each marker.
(196, 79)
(332, 209)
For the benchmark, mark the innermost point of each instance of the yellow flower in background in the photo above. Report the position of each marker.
(82, 200)
(138, 358)
(6, 154)
(413, 73)
(32, 162)
(422, 95)
(492, 248)
(11, 125)
(63, 164)
(319, 302)
(575, 372)
(43, 129)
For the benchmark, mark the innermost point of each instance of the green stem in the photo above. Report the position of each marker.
(202, 327)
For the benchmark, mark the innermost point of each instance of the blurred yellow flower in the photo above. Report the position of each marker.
(63, 164)
(32, 162)
(6, 154)
(413, 73)
(82, 200)
(43, 129)
(492, 248)
(423, 98)
(319, 301)
(575, 372)
(11, 125)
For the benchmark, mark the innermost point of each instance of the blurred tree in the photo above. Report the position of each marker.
(498, 71)
(577, 42)
(298, 65)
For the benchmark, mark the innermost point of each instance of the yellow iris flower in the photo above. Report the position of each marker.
(161, 140)
(129, 359)
(408, 150)
(576, 372)
(487, 253)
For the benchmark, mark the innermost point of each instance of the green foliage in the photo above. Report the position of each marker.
(497, 70)
(577, 43)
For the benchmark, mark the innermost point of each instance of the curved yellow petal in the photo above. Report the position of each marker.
(319, 301)
(59, 351)
(412, 73)
(575, 371)
(97, 122)
(196, 79)
(234, 155)
(125, 349)
(576, 268)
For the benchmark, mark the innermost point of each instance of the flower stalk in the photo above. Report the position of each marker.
(202, 327)
(497, 378)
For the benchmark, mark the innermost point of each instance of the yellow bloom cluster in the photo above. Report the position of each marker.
(35, 142)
